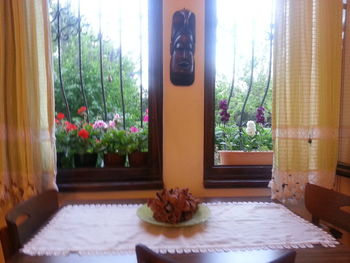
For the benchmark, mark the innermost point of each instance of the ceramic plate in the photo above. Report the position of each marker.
(202, 214)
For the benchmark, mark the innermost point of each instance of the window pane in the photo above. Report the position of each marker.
(100, 55)
(243, 75)
(106, 55)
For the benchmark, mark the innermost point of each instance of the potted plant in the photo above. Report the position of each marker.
(63, 128)
(244, 146)
(85, 144)
(114, 143)
(138, 147)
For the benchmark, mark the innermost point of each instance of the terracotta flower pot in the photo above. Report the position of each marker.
(85, 160)
(114, 160)
(245, 158)
(138, 159)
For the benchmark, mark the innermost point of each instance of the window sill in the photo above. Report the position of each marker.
(107, 179)
(228, 176)
(231, 183)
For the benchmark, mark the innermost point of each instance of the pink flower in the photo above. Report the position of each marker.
(116, 117)
(133, 129)
(145, 118)
(111, 124)
(100, 124)
(147, 111)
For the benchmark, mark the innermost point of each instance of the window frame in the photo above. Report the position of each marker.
(128, 178)
(222, 176)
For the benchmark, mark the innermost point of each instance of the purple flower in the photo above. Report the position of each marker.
(223, 105)
(225, 117)
(260, 115)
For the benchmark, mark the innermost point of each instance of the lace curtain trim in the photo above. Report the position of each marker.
(289, 186)
(305, 133)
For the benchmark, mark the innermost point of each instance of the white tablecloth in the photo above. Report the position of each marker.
(115, 229)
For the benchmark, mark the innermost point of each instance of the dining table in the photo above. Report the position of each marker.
(233, 246)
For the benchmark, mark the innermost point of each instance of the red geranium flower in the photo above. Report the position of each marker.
(60, 116)
(81, 110)
(83, 134)
(70, 126)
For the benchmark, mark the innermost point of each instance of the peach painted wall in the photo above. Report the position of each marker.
(183, 122)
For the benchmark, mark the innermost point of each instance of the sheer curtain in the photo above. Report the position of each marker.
(27, 156)
(307, 73)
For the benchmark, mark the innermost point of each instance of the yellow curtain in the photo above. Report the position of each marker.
(344, 134)
(306, 95)
(27, 159)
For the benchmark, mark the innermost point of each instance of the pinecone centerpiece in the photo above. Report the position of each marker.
(173, 206)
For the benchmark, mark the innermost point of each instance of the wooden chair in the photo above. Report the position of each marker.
(325, 204)
(6, 244)
(146, 255)
(24, 220)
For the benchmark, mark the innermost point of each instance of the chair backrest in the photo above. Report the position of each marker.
(146, 255)
(24, 220)
(287, 257)
(6, 244)
(325, 204)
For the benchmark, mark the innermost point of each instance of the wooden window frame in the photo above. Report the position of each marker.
(222, 176)
(150, 177)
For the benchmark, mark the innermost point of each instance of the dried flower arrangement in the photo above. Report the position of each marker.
(173, 206)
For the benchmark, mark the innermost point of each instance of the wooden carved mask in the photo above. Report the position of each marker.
(182, 48)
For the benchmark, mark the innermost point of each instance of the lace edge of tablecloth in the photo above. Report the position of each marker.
(328, 243)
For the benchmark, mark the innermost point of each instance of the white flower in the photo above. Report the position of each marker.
(116, 117)
(251, 128)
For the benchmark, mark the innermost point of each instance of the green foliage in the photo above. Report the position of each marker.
(80, 144)
(90, 62)
(222, 92)
(138, 141)
(62, 138)
(115, 141)
(233, 138)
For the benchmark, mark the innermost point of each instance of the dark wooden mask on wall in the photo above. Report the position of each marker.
(182, 48)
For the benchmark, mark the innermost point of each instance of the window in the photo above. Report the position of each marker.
(238, 68)
(107, 59)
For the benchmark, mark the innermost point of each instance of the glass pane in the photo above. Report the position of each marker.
(243, 93)
(100, 57)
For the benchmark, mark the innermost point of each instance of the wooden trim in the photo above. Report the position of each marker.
(100, 179)
(241, 183)
(343, 169)
(222, 176)
(111, 186)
